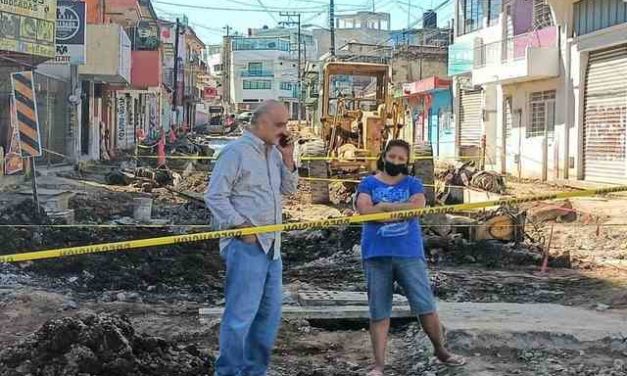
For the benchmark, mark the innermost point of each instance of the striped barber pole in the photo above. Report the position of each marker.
(26, 113)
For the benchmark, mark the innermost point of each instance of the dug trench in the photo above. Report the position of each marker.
(143, 304)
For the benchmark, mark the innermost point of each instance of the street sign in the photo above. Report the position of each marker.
(28, 27)
(13, 159)
(71, 30)
(26, 113)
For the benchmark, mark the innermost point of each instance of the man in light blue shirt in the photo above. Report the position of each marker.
(245, 190)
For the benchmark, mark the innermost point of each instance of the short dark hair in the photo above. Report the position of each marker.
(393, 143)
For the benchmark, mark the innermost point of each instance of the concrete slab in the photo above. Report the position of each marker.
(486, 318)
(316, 313)
(340, 298)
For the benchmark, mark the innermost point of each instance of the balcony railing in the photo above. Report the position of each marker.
(514, 48)
(256, 73)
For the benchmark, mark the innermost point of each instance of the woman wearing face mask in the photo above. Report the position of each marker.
(393, 252)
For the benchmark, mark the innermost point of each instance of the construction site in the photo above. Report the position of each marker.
(128, 197)
(524, 287)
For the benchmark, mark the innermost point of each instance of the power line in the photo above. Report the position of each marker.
(309, 10)
(268, 11)
(258, 10)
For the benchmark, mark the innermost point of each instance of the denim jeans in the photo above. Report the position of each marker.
(410, 273)
(252, 315)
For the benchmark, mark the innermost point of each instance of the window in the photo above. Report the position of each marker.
(470, 16)
(286, 86)
(593, 15)
(257, 84)
(542, 16)
(242, 44)
(217, 67)
(494, 11)
(541, 113)
(255, 67)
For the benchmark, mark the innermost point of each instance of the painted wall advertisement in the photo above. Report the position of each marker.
(28, 26)
(122, 121)
(71, 30)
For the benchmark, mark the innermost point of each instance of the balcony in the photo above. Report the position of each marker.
(525, 57)
(108, 54)
(256, 73)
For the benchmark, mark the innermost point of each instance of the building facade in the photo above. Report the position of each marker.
(529, 83)
(508, 85)
(595, 62)
(263, 68)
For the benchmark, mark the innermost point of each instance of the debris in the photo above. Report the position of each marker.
(99, 345)
(548, 211)
(467, 175)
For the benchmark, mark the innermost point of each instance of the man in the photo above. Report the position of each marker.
(245, 190)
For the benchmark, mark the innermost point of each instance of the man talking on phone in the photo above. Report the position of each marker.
(245, 190)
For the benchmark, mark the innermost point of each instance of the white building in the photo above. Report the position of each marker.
(263, 68)
(520, 71)
(595, 45)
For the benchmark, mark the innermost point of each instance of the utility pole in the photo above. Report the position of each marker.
(176, 72)
(290, 21)
(226, 69)
(332, 26)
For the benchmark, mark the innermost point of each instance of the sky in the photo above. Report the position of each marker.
(243, 14)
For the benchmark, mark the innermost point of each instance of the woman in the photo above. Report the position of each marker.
(393, 252)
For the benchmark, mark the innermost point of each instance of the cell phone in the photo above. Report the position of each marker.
(284, 140)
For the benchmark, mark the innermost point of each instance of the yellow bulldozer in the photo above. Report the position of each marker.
(358, 116)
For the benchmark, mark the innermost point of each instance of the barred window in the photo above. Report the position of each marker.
(494, 11)
(257, 84)
(541, 113)
(542, 16)
(286, 86)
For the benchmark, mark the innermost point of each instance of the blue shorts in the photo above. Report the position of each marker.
(411, 275)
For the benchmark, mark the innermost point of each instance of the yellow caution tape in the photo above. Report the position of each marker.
(331, 180)
(326, 223)
(357, 159)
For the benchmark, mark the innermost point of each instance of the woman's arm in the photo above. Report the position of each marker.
(417, 201)
(365, 205)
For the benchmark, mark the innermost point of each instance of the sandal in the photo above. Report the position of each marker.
(453, 361)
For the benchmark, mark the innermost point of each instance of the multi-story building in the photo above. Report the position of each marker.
(263, 68)
(532, 85)
(594, 45)
(362, 27)
(195, 67)
(506, 64)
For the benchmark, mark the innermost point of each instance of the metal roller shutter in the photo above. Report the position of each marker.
(470, 130)
(605, 116)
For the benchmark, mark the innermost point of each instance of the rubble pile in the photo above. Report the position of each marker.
(99, 345)
(194, 182)
(467, 175)
(23, 212)
(341, 193)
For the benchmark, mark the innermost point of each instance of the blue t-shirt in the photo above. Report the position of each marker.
(393, 239)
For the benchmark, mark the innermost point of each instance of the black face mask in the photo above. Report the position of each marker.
(393, 169)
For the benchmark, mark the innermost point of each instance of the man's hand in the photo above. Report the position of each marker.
(287, 152)
(249, 239)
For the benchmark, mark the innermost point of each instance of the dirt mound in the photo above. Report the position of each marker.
(23, 212)
(99, 345)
